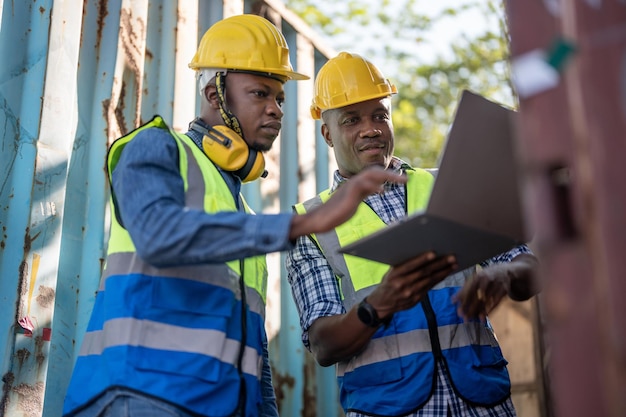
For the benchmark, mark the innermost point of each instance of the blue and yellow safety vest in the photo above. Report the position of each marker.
(396, 373)
(188, 335)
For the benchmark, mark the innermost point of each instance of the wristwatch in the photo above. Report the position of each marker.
(368, 315)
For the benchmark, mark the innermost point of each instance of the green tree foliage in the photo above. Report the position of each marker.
(428, 90)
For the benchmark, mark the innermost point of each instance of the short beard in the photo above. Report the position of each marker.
(260, 148)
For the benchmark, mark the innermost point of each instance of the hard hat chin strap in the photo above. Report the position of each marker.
(230, 119)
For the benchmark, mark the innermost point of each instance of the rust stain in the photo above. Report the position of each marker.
(30, 398)
(22, 288)
(46, 296)
(106, 103)
(8, 380)
(23, 273)
(132, 34)
(102, 14)
(28, 239)
(22, 356)
(282, 384)
(39, 355)
(41, 359)
(119, 110)
(309, 405)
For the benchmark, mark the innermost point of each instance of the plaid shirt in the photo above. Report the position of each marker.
(316, 293)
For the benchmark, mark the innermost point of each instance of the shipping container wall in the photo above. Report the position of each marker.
(74, 76)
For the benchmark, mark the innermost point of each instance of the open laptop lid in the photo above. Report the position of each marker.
(477, 182)
(474, 210)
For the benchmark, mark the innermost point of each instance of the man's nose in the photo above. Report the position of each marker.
(275, 110)
(371, 131)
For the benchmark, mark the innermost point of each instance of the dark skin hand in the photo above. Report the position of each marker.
(338, 338)
(484, 291)
(343, 202)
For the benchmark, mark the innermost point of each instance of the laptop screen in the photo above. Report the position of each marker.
(477, 182)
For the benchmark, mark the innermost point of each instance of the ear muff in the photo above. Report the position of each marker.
(230, 152)
(254, 167)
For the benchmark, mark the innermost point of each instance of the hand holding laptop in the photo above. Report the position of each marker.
(474, 210)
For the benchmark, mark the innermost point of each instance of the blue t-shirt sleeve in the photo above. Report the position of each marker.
(150, 196)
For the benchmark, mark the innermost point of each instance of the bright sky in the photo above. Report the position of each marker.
(436, 42)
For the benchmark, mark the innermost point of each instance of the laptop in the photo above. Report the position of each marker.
(474, 210)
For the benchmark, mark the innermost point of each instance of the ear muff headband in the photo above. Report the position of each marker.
(230, 152)
(229, 118)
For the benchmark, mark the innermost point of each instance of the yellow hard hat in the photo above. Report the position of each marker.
(347, 79)
(247, 43)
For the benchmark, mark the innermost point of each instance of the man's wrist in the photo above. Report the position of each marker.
(369, 316)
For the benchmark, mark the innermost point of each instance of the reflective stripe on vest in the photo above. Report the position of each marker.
(419, 341)
(175, 333)
(149, 334)
(395, 373)
(220, 275)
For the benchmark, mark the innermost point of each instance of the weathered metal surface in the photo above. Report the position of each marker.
(572, 144)
(75, 75)
(31, 172)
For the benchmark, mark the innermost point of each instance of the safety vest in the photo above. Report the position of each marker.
(188, 335)
(396, 373)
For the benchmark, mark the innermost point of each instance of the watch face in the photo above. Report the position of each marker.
(364, 315)
(367, 314)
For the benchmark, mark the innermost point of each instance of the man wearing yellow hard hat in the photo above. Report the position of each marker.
(177, 328)
(399, 344)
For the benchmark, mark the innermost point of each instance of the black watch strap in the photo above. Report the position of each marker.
(368, 315)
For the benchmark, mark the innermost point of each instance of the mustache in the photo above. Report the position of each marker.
(274, 125)
(372, 143)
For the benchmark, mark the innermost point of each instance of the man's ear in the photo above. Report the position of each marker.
(326, 135)
(210, 93)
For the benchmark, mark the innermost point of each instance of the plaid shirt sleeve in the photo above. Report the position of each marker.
(314, 287)
(507, 256)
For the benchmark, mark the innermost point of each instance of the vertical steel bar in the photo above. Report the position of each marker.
(24, 46)
(55, 145)
(291, 361)
(322, 155)
(86, 194)
(159, 63)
